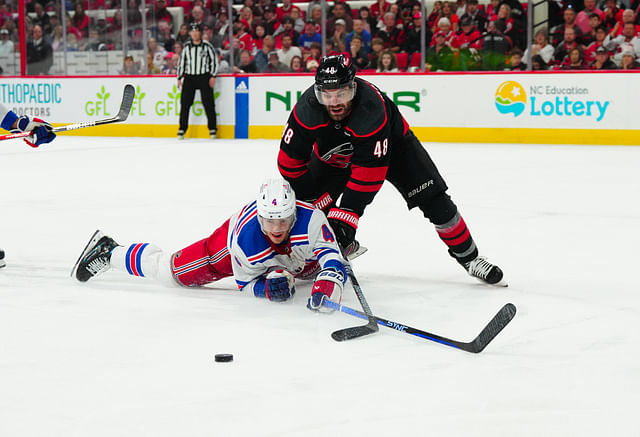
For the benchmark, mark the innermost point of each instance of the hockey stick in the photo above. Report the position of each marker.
(493, 328)
(356, 331)
(125, 109)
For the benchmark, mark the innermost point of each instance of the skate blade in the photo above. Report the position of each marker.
(360, 251)
(97, 235)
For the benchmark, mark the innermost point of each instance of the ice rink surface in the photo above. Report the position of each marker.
(122, 356)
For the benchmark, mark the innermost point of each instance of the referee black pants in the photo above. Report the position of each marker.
(190, 84)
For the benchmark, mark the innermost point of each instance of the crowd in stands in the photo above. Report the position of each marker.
(380, 37)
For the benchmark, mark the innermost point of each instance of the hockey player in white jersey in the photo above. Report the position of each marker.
(40, 129)
(264, 246)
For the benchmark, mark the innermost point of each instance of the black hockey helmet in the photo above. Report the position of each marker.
(335, 72)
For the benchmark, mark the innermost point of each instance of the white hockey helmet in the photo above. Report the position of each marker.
(276, 201)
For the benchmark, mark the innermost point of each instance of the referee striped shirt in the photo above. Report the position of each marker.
(197, 60)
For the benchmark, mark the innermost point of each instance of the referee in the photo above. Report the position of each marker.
(197, 70)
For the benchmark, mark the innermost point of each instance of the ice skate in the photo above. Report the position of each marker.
(2, 263)
(181, 134)
(485, 271)
(213, 133)
(95, 257)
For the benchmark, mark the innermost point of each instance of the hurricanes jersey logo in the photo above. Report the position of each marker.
(511, 98)
(339, 156)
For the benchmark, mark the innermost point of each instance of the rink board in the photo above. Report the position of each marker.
(576, 108)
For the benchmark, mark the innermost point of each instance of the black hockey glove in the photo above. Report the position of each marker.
(344, 223)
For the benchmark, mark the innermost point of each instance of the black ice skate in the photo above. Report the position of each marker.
(354, 250)
(485, 271)
(95, 257)
(2, 263)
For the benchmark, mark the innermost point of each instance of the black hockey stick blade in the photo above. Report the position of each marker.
(127, 101)
(355, 331)
(490, 331)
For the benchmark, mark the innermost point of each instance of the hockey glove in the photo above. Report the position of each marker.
(41, 131)
(344, 223)
(323, 202)
(278, 286)
(329, 283)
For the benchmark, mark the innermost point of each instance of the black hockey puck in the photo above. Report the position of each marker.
(223, 358)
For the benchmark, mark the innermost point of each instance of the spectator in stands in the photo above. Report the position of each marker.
(314, 52)
(377, 47)
(197, 16)
(504, 15)
(72, 42)
(114, 30)
(538, 64)
(627, 37)
(39, 54)
(477, 16)
(311, 65)
(602, 61)
(134, 16)
(274, 65)
(170, 66)
(364, 14)
(392, 37)
(379, 8)
(240, 33)
(590, 36)
(468, 37)
(152, 68)
(246, 14)
(286, 9)
(575, 60)
(565, 46)
(494, 47)
(590, 51)
(80, 20)
(161, 13)
(541, 46)
(316, 17)
(612, 15)
(7, 46)
(629, 60)
(251, 4)
(296, 65)
(41, 18)
(220, 30)
(288, 50)
(558, 33)
(246, 64)
(163, 35)
(434, 16)
(584, 16)
(339, 35)
(157, 52)
(129, 66)
(339, 12)
(183, 34)
(359, 56)
(447, 12)
(628, 16)
(258, 36)
(309, 36)
(450, 36)
(387, 63)
(94, 42)
(286, 27)
(360, 31)
(261, 58)
(177, 48)
(439, 56)
(515, 60)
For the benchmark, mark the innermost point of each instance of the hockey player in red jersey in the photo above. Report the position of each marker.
(344, 138)
(263, 246)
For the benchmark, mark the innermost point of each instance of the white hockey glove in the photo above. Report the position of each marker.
(329, 284)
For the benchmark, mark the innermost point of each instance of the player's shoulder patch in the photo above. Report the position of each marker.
(369, 114)
(309, 113)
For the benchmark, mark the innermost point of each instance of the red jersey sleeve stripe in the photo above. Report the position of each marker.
(287, 161)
